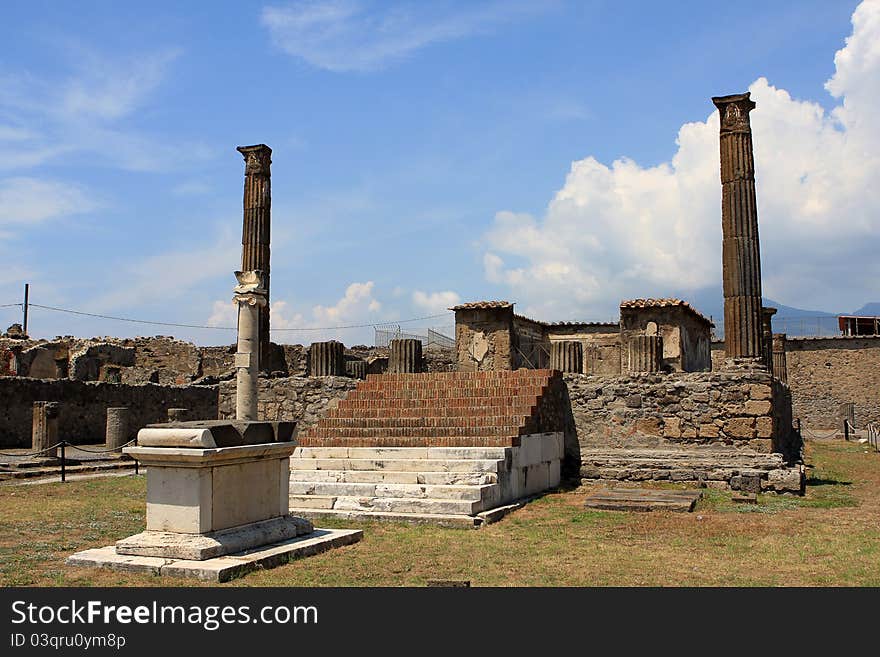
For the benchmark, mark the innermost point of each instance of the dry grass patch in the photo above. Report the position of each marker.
(829, 537)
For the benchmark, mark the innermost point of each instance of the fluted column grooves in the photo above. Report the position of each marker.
(356, 369)
(645, 353)
(780, 365)
(741, 254)
(327, 359)
(567, 356)
(405, 357)
(256, 228)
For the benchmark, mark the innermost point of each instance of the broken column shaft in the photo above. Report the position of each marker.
(116, 432)
(741, 255)
(250, 296)
(256, 227)
(44, 430)
(645, 353)
(327, 359)
(405, 356)
(567, 356)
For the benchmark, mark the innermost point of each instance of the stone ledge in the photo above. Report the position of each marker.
(220, 569)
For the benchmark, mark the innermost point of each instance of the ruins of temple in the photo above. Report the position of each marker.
(460, 436)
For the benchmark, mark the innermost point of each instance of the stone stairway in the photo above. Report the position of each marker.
(450, 448)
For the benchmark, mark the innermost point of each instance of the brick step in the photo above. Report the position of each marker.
(361, 394)
(406, 453)
(417, 465)
(342, 412)
(505, 431)
(391, 477)
(461, 377)
(486, 493)
(453, 404)
(403, 441)
(421, 422)
(384, 504)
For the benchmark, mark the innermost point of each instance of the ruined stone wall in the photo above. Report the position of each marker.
(84, 406)
(483, 339)
(601, 345)
(530, 348)
(686, 345)
(826, 372)
(674, 410)
(301, 399)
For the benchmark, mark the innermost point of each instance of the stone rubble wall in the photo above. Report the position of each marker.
(729, 409)
(301, 399)
(84, 406)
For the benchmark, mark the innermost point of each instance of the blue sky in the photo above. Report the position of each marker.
(561, 155)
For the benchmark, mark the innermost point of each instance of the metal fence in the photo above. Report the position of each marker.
(438, 335)
(822, 326)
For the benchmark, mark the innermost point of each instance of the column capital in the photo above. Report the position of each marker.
(251, 288)
(734, 111)
(257, 159)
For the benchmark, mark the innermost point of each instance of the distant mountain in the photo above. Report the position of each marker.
(871, 309)
(783, 311)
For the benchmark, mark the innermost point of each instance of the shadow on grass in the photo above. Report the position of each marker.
(822, 481)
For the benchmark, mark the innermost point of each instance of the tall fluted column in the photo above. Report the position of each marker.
(741, 254)
(250, 295)
(405, 356)
(567, 356)
(256, 228)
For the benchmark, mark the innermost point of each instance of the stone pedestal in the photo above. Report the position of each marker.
(741, 254)
(44, 430)
(204, 501)
(116, 434)
(567, 356)
(406, 357)
(327, 359)
(645, 353)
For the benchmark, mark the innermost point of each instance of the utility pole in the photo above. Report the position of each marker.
(25, 308)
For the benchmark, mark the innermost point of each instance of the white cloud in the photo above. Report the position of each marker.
(346, 35)
(27, 201)
(625, 230)
(435, 302)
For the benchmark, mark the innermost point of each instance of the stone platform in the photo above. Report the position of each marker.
(220, 569)
(643, 499)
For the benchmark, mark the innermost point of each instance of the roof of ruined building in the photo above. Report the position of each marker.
(614, 324)
(664, 303)
(482, 305)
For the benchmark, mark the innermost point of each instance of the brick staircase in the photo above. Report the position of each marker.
(454, 448)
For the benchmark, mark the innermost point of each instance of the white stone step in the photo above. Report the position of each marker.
(399, 465)
(373, 453)
(391, 477)
(420, 491)
(386, 504)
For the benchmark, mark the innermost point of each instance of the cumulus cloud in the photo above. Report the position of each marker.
(435, 302)
(345, 35)
(626, 230)
(357, 306)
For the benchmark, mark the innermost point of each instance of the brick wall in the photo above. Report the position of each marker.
(84, 406)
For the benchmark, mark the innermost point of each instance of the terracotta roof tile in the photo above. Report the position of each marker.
(664, 303)
(482, 305)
